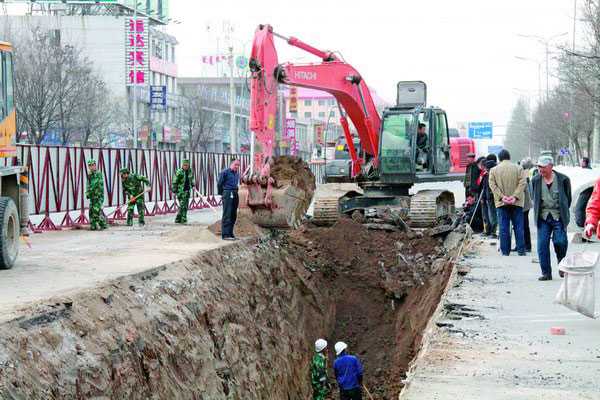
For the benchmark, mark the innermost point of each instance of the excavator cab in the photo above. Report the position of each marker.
(401, 159)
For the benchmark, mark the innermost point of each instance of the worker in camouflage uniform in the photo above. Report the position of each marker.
(95, 193)
(183, 184)
(133, 191)
(318, 371)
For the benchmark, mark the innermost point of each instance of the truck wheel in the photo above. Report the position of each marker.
(9, 240)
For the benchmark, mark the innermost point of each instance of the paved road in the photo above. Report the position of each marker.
(509, 354)
(65, 261)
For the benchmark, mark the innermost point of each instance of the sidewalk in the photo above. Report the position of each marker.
(493, 341)
(61, 262)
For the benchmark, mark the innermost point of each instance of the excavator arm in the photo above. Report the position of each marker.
(331, 75)
(283, 204)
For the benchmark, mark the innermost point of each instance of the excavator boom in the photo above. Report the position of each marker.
(282, 204)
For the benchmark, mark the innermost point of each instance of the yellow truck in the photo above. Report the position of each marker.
(14, 214)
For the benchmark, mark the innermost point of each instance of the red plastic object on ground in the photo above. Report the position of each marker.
(558, 330)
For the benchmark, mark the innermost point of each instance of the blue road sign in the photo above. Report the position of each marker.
(495, 149)
(480, 130)
(158, 98)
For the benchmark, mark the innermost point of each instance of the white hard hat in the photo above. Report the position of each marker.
(320, 345)
(339, 347)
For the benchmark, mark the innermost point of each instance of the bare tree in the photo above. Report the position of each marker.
(197, 120)
(51, 81)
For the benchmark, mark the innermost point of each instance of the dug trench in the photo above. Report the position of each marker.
(238, 322)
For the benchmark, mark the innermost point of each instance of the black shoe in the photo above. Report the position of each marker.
(494, 236)
(561, 274)
(522, 254)
(545, 278)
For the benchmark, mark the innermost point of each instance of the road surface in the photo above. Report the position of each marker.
(500, 346)
(69, 260)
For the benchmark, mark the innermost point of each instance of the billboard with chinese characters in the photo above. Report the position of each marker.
(137, 45)
(290, 129)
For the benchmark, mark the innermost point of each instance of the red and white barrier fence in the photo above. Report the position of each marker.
(58, 176)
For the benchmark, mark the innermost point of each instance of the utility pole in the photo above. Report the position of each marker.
(571, 89)
(232, 131)
(134, 87)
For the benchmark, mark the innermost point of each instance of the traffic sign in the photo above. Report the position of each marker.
(480, 130)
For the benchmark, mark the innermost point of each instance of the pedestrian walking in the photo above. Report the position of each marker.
(95, 194)
(227, 185)
(182, 187)
(133, 192)
(318, 371)
(551, 192)
(507, 183)
(488, 208)
(348, 373)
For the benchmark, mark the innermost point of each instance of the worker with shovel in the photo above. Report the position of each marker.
(182, 187)
(133, 190)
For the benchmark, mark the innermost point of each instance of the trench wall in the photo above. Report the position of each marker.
(231, 323)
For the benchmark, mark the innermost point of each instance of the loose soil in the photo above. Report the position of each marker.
(243, 228)
(236, 322)
(385, 287)
(289, 169)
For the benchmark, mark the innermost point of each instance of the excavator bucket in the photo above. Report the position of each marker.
(282, 204)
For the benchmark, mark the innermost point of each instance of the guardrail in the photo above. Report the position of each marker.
(58, 176)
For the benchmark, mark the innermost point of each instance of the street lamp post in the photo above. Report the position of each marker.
(545, 41)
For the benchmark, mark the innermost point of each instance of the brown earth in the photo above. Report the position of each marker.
(238, 322)
(383, 301)
(243, 228)
(295, 170)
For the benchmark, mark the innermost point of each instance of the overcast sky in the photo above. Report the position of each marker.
(463, 49)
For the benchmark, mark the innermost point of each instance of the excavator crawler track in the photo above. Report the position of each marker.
(429, 207)
(326, 211)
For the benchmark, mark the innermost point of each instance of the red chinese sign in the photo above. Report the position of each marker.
(137, 51)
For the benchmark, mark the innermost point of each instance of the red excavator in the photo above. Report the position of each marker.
(395, 159)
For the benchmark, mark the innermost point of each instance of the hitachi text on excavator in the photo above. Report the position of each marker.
(390, 163)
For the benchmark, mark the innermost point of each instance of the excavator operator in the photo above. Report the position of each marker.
(422, 145)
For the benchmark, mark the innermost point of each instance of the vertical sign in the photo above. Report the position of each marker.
(293, 99)
(290, 129)
(158, 98)
(137, 43)
(290, 135)
(319, 134)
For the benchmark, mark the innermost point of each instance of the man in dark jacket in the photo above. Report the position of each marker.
(227, 186)
(551, 192)
(488, 209)
(470, 164)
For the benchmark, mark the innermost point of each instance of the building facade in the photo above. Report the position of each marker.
(103, 39)
(211, 106)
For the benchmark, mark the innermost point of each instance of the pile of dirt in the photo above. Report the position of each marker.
(244, 227)
(386, 285)
(291, 169)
